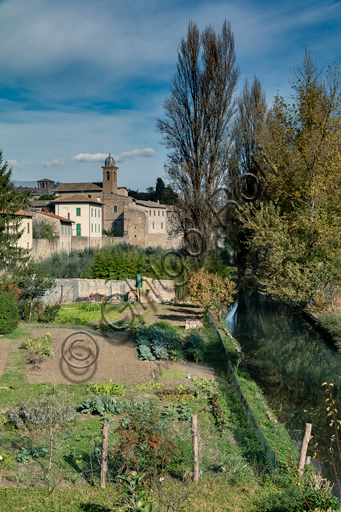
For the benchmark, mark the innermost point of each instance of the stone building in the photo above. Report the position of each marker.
(141, 223)
(63, 228)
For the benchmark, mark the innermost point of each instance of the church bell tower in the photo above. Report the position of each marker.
(109, 177)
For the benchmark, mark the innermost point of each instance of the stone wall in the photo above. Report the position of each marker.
(136, 224)
(42, 248)
(114, 240)
(97, 290)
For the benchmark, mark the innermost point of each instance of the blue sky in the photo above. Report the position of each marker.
(80, 78)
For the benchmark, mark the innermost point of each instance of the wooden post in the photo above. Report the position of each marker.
(195, 448)
(104, 459)
(304, 448)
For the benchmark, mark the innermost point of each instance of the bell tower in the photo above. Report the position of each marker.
(109, 177)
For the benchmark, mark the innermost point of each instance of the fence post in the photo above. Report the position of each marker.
(195, 448)
(308, 427)
(104, 459)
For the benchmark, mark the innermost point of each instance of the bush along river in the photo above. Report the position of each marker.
(290, 361)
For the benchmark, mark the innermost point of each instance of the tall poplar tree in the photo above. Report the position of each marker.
(196, 127)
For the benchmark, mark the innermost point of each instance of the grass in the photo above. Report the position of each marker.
(171, 374)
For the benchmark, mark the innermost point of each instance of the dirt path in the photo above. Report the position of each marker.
(117, 360)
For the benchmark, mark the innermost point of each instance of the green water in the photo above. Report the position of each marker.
(290, 361)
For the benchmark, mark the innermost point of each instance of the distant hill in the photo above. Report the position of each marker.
(32, 184)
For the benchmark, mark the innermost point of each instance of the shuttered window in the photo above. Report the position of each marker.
(79, 229)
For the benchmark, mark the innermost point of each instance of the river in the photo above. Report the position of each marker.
(290, 361)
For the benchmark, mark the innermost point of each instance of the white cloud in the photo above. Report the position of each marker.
(126, 155)
(20, 165)
(87, 157)
(53, 163)
(146, 153)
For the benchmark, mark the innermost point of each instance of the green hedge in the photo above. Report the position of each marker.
(9, 315)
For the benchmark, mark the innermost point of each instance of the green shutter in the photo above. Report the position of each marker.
(62, 229)
(78, 227)
(68, 230)
(78, 212)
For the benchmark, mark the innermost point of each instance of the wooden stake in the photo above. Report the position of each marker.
(304, 448)
(195, 448)
(104, 459)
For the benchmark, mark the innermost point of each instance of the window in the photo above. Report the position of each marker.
(150, 212)
(78, 212)
(108, 175)
(153, 225)
(92, 228)
(161, 225)
(68, 230)
(92, 212)
(95, 212)
(78, 229)
(89, 196)
(154, 212)
(95, 228)
(158, 212)
(115, 208)
(68, 246)
(163, 213)
(62, 246)
(98, 228)
(99, 213)
(68, 216)
(62, 229)
(28, 227)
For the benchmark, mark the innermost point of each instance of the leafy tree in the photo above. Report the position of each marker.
(46, 197)
(11, 200)
(196, 124)
(159, 190)
(45, 229)
(33, 282)
(297, 233)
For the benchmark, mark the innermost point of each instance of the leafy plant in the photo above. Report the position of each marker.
(107, 388)
(9, 316)
(134, 493)
(149, 386)
(195, 347)
(26, 454)
(39, 346)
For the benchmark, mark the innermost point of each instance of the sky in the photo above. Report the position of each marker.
(82, 78)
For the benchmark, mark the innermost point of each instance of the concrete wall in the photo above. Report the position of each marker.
(77, 290)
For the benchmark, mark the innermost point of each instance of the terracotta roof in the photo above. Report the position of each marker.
(46, 179)
(149, 204)
(76, 198)
(19, 212)
(54, 216)
(77, 187)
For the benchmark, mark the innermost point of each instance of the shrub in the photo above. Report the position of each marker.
(50, 313)
(9, 316)
(160, 340)
(195, 347)
(53, 407)
(143, 446)
(332, 324)
(210, 290)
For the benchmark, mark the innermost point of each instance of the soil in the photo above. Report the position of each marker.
(117, 358)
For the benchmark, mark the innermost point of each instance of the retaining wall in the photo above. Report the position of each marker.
(96, 290)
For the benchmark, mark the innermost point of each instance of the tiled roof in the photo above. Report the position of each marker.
(77, 187)
(19, 212)
(149, 204)
(54, 216)
(76, 198)
(46, 179)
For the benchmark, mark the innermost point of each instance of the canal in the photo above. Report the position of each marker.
(290, 361)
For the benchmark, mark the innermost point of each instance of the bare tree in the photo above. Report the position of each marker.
(197, 123)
